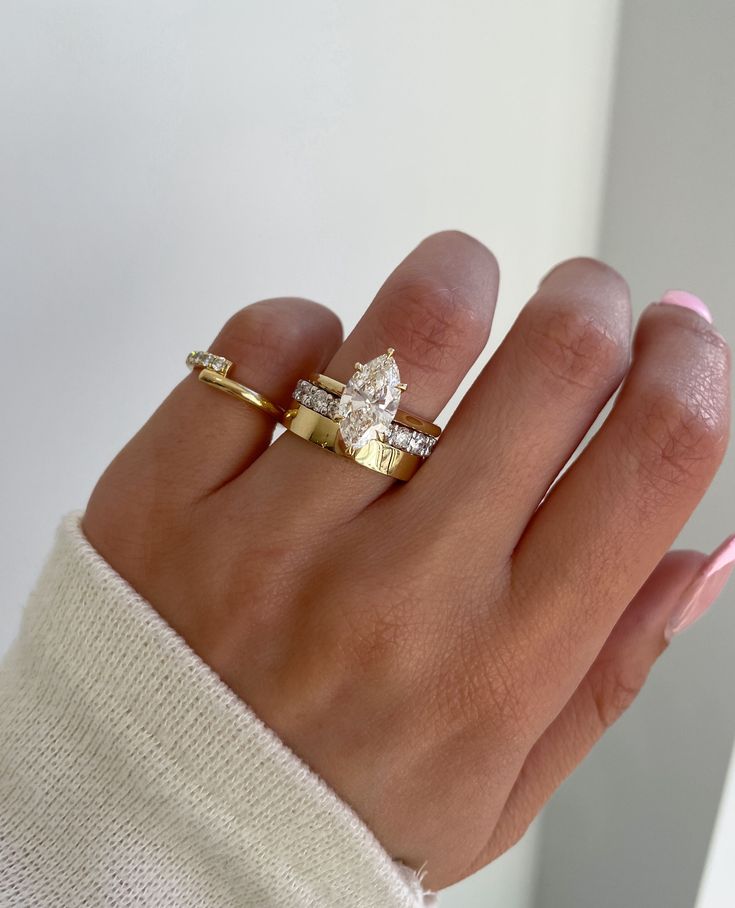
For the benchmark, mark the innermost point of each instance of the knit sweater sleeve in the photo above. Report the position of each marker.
(131, 775)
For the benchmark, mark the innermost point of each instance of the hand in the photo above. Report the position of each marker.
(442, 652)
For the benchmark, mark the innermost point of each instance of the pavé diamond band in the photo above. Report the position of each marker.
(361, 419)
(214, 371)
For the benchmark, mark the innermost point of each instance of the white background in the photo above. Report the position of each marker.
(162, 164)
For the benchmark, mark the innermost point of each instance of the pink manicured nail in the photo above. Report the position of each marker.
(688, 301)
(704, 589)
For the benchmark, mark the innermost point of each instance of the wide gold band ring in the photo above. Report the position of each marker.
(361, 420)
(376, 455)
(214, 371)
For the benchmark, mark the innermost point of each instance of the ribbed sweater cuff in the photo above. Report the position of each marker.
(127, 764)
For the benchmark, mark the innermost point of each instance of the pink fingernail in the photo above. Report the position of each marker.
(704, 589)
(688, 301)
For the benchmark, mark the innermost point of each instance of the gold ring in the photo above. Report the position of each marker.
(402, 417)
(361, 419)
(376, 455)
(214, 371)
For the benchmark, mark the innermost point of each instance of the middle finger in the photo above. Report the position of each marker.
(435, 309)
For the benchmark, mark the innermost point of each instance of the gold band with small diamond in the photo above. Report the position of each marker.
(214, 371)
(361, 420)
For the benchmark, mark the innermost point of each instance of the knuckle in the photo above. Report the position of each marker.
(612, 689)
(378, 636)
(376, 644)
(577, 349)
(486, 671)
(431, 322)
(678, 435)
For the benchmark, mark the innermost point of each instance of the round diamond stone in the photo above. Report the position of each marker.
(401, 436)
(320, 401)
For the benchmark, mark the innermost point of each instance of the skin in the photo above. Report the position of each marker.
(442, 652)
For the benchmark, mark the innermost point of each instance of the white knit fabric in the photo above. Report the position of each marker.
(130, 775)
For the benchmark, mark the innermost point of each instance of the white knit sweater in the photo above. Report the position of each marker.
(131, 775)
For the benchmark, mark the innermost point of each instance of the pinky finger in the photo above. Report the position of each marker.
(676, 594)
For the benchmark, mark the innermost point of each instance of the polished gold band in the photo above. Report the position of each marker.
(214, 371)
(240, 392)
(376, 455)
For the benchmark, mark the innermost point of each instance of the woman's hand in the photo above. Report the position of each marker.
(445, 651)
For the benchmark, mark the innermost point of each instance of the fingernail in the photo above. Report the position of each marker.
(704, 588)
(687, 301)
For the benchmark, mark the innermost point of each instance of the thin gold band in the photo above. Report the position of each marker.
(214, 371)
(240, 392)
(376, 455)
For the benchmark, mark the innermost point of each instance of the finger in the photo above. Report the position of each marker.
(435, 310)
(615, 512)
(199, 438)
(533, 403)
(612, 682)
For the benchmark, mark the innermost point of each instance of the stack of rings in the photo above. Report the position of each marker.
(360, 420)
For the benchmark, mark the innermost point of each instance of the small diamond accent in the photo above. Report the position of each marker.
(401, 436)
(320, 401)
(203, 359)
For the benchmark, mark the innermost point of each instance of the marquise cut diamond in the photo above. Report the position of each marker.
(369, 402)
(327, 403)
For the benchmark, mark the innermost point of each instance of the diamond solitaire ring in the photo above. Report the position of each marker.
(361, 420)
(214, 371)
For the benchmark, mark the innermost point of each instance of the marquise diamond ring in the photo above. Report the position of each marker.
(361, 420)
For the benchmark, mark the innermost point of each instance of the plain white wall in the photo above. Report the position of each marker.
(631, 826)
(163, 163)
